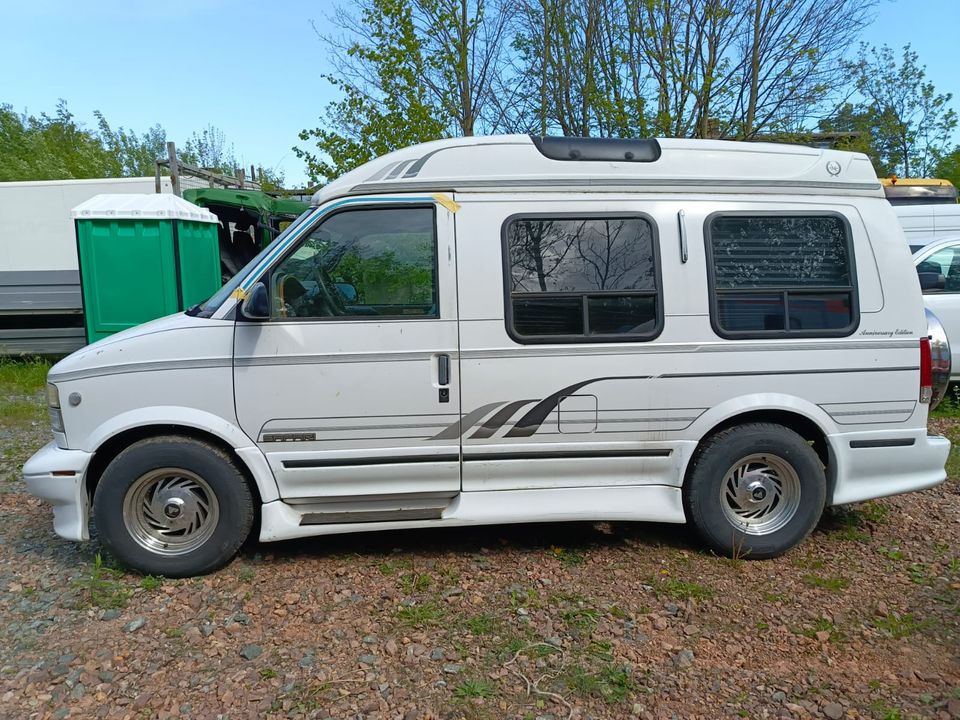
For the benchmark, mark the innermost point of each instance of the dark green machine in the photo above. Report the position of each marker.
(249, 220)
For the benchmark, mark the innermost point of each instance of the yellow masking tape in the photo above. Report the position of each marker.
(447, 202)
(239, 294)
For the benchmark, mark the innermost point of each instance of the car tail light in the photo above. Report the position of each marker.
(926, 371)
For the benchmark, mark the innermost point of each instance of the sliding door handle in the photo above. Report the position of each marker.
(443, 370)
(681, 222)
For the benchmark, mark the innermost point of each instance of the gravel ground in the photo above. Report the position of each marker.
(549, 621)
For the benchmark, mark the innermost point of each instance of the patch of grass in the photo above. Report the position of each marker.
(681, 589)
(898, 626)
(414, 582)
(824, 625)
(26, 376)
(428, 613)
(528, 598)
(246, 574)
(15, 412)
(762, 626)
(917, 573)
(482, 624)
(101, 587)
(809, 563)
(875, 511)
(268, 673)
(949, 407)
(392, 567)
(581, 618)
(834, 583)
(891, 553)
(611, 683)
(151, 582)
(567, 556)
(885, 712)
(617, 612)
(473, 689)
(172, 632)
(303, 698)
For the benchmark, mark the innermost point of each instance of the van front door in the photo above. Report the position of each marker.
(350, 385)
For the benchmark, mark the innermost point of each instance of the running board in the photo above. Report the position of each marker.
(373, 510)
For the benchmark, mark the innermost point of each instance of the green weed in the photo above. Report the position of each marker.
(612, 684)
(473, 689)
(25, 376)
(898, 627)
(824, 625)
(566, 556)
(482, 624)
(101, 587)
(682, 589)
(420, 615)
(835, 583)
(151, 582)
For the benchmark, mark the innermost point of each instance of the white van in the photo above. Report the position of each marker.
(924, 222)
(514, 329)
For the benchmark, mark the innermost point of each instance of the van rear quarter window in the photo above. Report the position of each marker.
(581, 278)
(787, 274)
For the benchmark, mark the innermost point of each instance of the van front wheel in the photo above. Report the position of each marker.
(755, 490)
(173, 506)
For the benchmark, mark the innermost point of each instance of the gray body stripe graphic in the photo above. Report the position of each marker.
(528, 424)
(458, 427)
(496, 421)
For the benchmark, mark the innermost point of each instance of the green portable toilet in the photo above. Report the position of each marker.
(142, 257)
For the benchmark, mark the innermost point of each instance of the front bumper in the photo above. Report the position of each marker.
(57, 476)
(878, 464)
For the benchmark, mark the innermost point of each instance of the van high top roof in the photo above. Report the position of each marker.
(523, 162)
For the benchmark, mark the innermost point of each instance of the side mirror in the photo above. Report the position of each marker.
(256, 306)
(348, 291)
(932, 281)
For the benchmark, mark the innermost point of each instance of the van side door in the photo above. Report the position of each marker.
(349, 385)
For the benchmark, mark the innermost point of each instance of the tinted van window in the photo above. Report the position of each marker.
(581, 279)
(781, 275)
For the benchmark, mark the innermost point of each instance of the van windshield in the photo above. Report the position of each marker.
(208, 308)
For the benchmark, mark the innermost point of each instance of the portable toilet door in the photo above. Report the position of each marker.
(142, 257)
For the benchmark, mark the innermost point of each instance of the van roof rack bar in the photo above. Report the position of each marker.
(597, 149)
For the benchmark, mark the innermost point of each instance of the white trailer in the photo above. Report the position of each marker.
(40, 306)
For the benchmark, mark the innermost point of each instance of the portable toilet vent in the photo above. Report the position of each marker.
(142, 257)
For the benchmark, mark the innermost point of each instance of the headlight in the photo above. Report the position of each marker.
(53, 407)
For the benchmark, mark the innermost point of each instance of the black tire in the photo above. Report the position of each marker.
(705, 491)
(225, 530)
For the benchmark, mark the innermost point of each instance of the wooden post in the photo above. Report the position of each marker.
(240, 178)
(156, 177)
(174, 168)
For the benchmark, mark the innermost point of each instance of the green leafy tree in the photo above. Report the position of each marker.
(49, 147)
(949, 167)
(912, 124)
(133, 155)
(384, 104)
(209, 149)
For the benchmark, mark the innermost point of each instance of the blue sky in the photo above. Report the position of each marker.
(142, 63)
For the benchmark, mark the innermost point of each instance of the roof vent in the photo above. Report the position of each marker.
(597, 149)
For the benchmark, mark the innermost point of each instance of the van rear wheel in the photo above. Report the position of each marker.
(173, 506)
(755, 490)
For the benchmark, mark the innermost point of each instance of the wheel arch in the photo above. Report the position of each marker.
(803, 417)
(122, 431)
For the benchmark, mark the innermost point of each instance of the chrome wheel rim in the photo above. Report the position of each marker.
(760, 494)
(170, 511)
